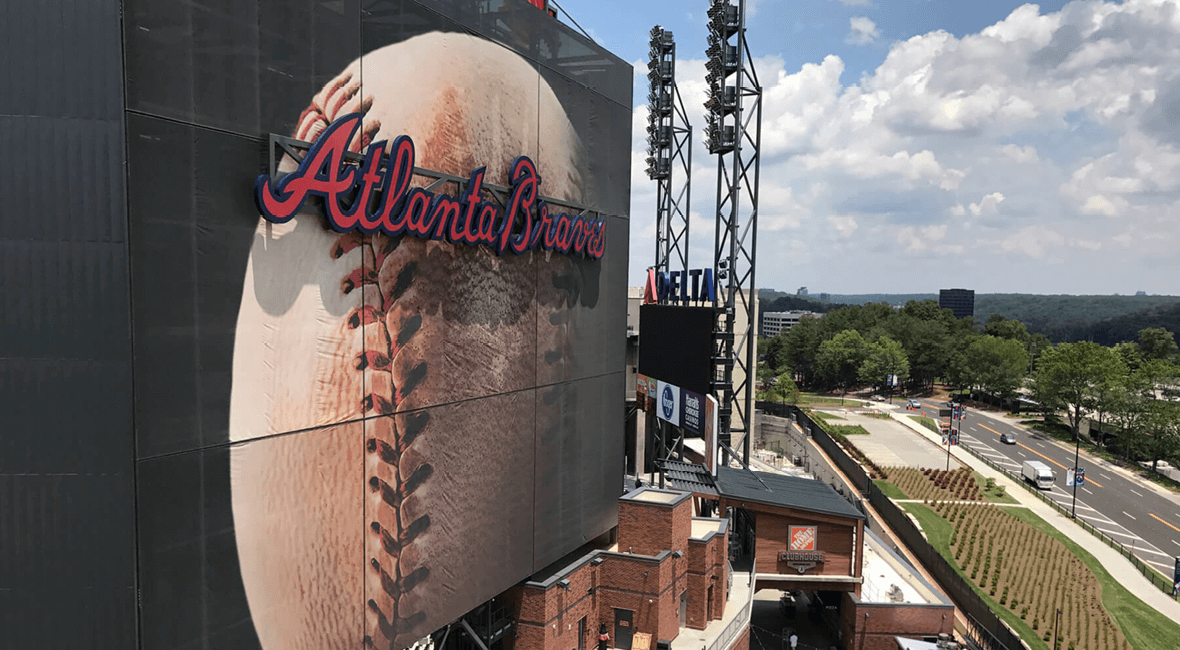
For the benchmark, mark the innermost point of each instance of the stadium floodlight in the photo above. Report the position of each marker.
(733, 119)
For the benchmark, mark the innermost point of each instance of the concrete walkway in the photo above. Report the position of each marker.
(891, 445)
(1118, 566)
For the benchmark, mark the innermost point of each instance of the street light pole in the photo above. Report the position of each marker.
(1056, 625)
(1076, 451)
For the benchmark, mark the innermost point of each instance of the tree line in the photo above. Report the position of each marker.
(1124, 386)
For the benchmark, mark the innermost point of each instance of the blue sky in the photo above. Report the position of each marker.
(912, 145)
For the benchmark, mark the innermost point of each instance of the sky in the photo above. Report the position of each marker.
(913, 145)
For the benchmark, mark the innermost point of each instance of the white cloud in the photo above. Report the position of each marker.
(855, 3)
(986, 205)
(862, 31)
(1068, 119)
(844, 225)
(1027, 154)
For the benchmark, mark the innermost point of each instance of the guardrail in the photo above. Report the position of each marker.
(1153, 575)
(739, 622)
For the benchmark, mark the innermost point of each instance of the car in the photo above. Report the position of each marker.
(1008, 438)
(914, 404)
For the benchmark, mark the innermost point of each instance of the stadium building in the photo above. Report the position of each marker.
(312, 317)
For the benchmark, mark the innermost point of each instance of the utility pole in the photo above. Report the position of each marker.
(1073, 514)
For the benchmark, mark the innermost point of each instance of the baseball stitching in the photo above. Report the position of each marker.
(388, 487)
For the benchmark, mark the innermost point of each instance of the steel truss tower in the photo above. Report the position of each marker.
(669, 147)
(734, 134)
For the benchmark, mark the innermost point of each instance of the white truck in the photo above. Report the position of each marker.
(1037, 473)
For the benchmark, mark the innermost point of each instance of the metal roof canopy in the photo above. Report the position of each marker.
(767, 488)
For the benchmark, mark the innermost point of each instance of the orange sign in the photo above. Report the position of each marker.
(803, 538)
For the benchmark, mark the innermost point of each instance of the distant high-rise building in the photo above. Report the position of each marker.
(801, 292)
(825, 297)
(961, 302)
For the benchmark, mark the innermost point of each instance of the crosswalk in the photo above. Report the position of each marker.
(1064, 498)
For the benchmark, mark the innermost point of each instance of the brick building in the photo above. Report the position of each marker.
(668, 571)
(799, 535)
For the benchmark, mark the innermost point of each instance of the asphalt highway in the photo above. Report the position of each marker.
(1129, 511)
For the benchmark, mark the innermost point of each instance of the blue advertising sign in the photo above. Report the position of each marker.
(667, 399)
(1080, 476)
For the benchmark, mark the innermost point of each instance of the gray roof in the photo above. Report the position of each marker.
(786, 491)
(689, 477)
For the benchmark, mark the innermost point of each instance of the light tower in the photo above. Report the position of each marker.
(734, 134)
(669, 147)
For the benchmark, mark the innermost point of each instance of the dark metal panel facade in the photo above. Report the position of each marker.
(67, 544)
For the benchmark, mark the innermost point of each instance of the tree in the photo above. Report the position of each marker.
(800, 347)
(996, 365)
(840, 358)
(1157, 343)
(1003, 328)
(1129, 411)
(885, 357)
(784, 389)
(1067, 375)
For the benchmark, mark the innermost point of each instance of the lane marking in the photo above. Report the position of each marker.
(1021, 444)
(1176, 543)
(1119, 533)
(1152, 514)
(1130, 515)
(1087, 491)
(1133, 491)
(1149, 550)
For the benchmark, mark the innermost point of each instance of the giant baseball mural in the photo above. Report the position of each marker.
(407, 339)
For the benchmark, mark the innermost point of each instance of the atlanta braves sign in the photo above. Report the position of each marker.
(376, 197)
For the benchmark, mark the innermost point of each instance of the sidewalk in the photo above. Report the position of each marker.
(1116, 564)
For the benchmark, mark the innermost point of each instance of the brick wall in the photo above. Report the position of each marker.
(648, 582)
(707, 566)
(886, 621)
(743, 641)
(647, 527)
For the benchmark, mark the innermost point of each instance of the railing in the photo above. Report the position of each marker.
(1153, 575)
(738, 624)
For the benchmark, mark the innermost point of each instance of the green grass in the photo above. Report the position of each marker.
(991, 495)
(938, 533)
(845, 430)
(1144, 627)
(890, 490)
(824, 416)
(812, 398)
(926, 422)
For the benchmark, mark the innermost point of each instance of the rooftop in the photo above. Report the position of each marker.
(883, 570)
(703, 527)
(786, 491)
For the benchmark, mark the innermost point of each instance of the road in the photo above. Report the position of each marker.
(1135, 515)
